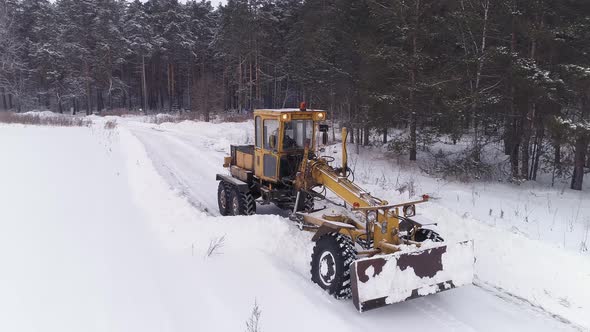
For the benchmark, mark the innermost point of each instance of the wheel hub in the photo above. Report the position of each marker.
(222, 199)
(236, 206)
(327, 268)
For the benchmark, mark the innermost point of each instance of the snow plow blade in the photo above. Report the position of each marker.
(381, 280)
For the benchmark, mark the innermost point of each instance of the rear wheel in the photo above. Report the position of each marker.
(223, 198)
(330, 264)
(242, 204)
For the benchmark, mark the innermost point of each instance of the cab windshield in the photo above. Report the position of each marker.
(298, 133)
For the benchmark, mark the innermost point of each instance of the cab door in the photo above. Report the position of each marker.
(266, 162)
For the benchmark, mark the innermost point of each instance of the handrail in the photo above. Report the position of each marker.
(424, 199)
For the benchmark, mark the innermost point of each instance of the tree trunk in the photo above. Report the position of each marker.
(240, 85)
(88, 94)
(4, 99)
(515, 137)
(538, 151)
(144, 86)
(251, 84)
(526, 139)
(413, 143)
(385, 135)
(98, 101)
(358, 141)
(205, 91)
(334, 124)
(514, 148)
(581, 147)
(528, 123)
(507, 136)
(256, 77)
(475, 93)
(413, 121)
(189, 86)
(579, 160)
(557, 155)
(170, 87)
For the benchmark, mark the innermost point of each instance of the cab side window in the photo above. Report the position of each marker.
(271, 134)
(258, 125)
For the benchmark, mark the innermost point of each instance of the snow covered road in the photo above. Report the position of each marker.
(188, 159)
(108, 231)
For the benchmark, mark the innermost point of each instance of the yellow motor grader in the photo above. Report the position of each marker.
(365, 248)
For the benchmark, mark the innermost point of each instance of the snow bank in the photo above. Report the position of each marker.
(527, 238)
(74, 255)
(261, 246)
(551, 278)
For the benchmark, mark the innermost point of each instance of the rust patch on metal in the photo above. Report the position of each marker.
(425, 264)
(362, 266)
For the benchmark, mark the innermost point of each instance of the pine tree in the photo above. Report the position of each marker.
(139, 37)
(12, 67)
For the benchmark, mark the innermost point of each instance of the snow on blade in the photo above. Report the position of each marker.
(383, 280)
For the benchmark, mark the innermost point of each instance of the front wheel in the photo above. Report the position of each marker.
(330, 264)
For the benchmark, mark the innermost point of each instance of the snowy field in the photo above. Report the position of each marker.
(111, 230)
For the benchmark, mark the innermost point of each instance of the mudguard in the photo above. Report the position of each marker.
(385, 279)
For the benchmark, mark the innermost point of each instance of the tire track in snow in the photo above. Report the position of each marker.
(189, 162)
(186, 167)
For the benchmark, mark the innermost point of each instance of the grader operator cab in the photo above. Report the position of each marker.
(366, 248)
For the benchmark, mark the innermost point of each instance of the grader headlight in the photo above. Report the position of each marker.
(409, 210)
(319, 116)
(286, 117)
(372, 216)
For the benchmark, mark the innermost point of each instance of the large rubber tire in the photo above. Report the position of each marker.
(223, 198)
(424, 234)
(330, 264)
(242, 204)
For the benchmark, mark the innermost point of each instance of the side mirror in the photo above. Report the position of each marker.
(324, 138)
(272, 141)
